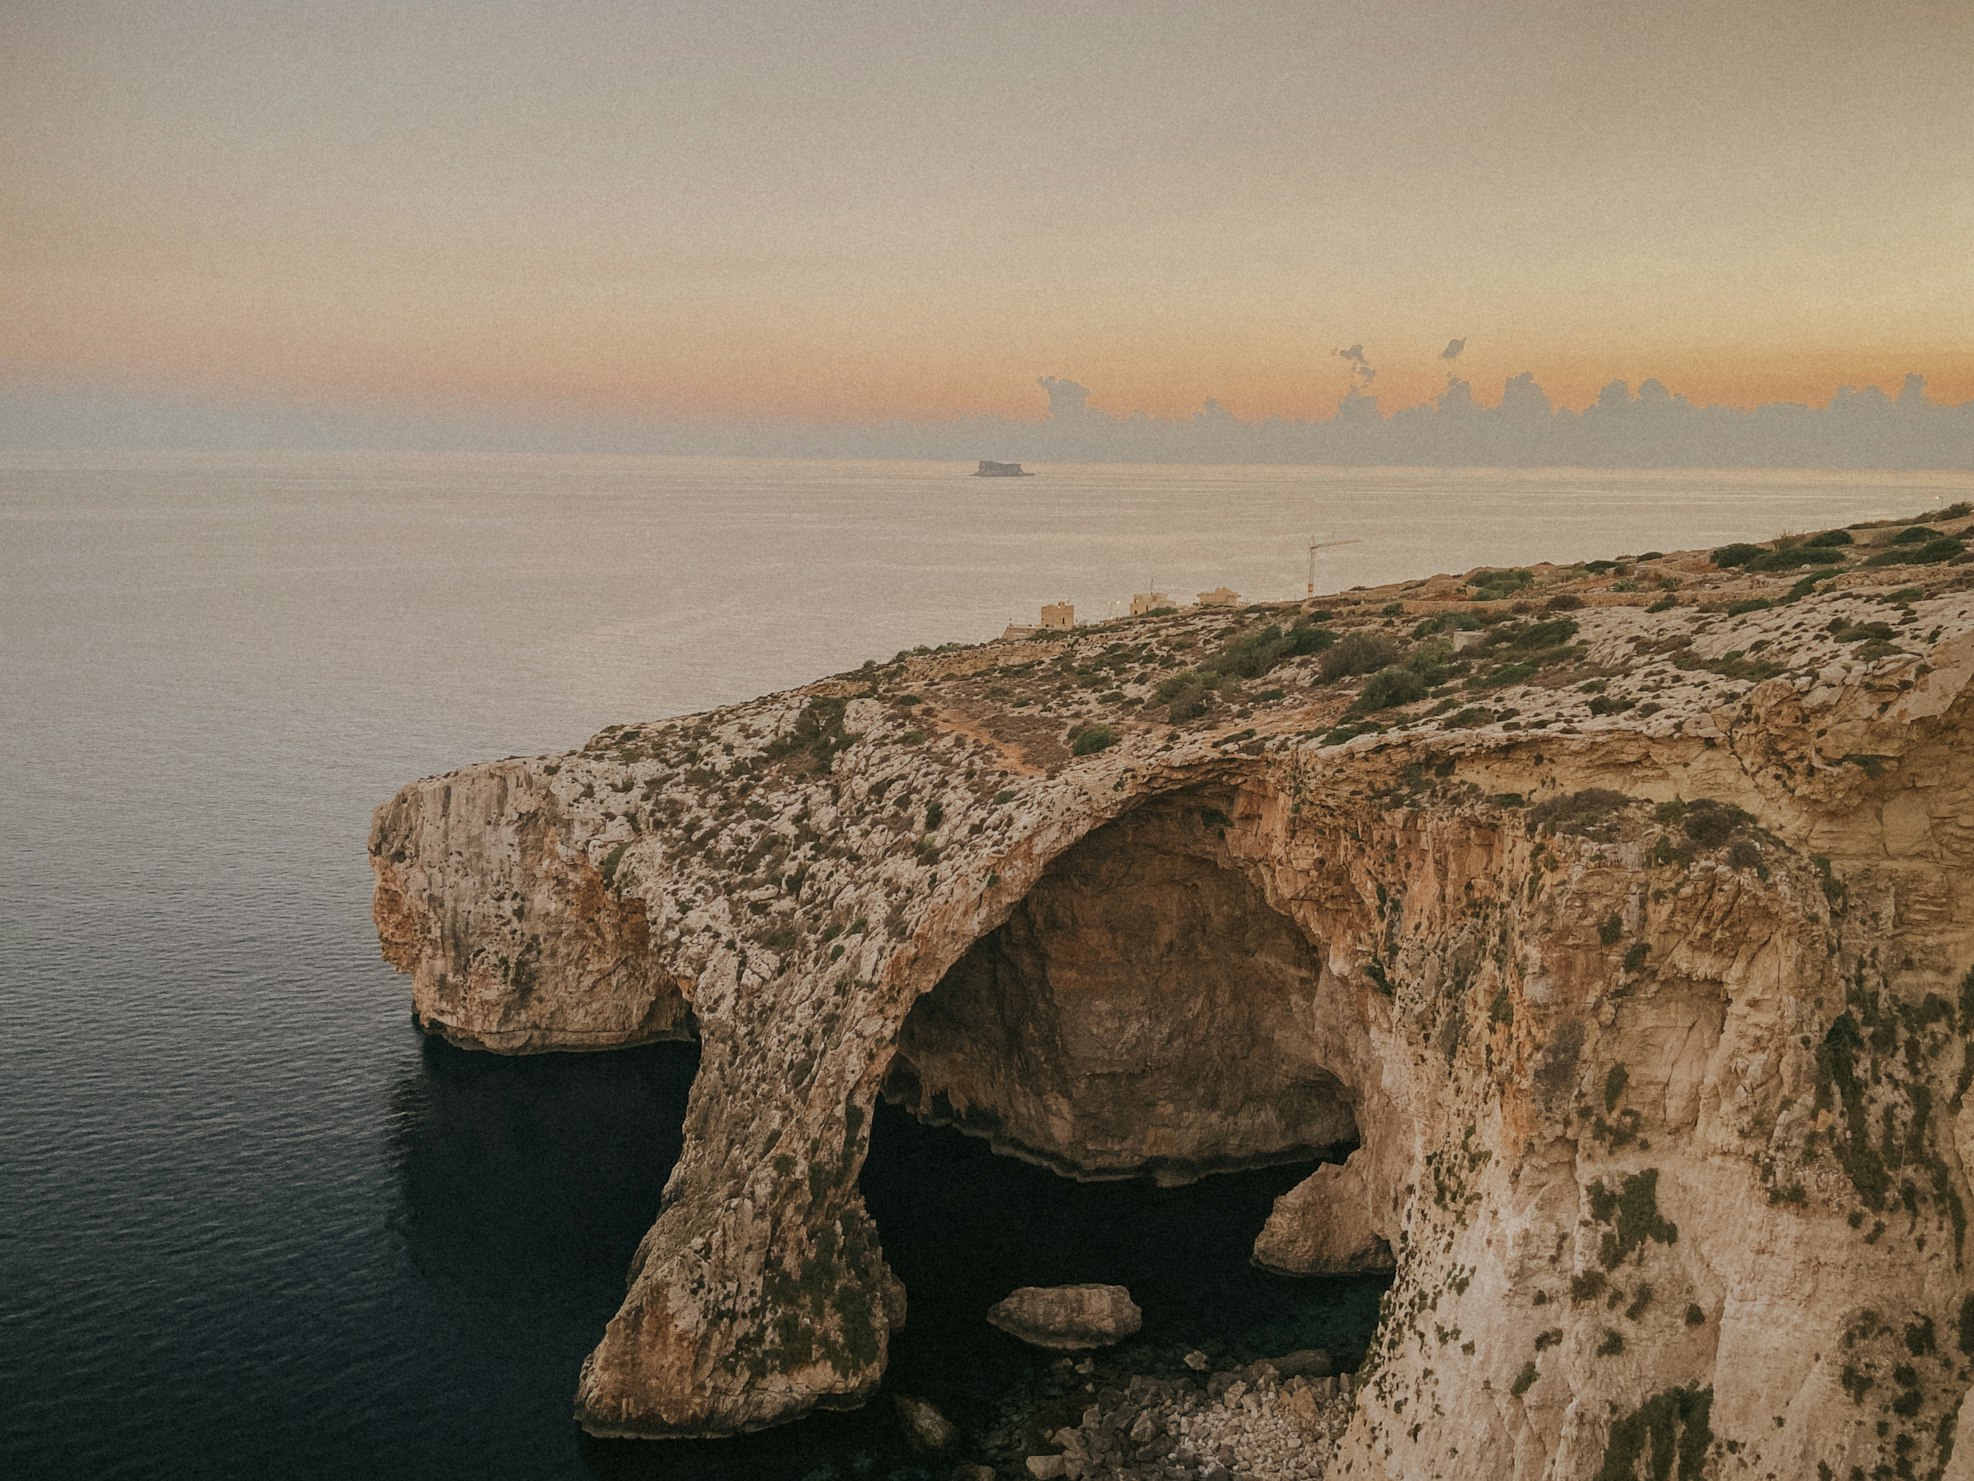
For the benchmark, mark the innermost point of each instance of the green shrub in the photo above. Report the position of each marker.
(610, 862)
(1633, 1212)
(1429, 661)
(1392, 686)
(1829, 537)
(1740, 553)
(1492, 586)
(1260, 649)
(1794, 557)
(1537, 637)
(1508, 673)
(1189, 701)
(1914, 535)
(1096, 738)
(1710, 823)
(1359, 652)
(1617, 1077)
(1442, 622)
(1665, 1439)
(1171, 687)
(1582, 813)
(816, 736)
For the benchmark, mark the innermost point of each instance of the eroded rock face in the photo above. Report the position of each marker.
(1068, 1318)
(1143, 1010)
(1324, 1226)
(1637, 977)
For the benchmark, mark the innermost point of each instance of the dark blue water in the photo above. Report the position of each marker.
(250, 1224)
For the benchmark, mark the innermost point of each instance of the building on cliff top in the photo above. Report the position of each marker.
(1148, 601)
(1220, 596)
(1057, 617)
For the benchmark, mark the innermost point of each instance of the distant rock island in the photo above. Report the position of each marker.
(1616, 956)
(988, 469)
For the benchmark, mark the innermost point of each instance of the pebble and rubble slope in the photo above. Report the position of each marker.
(1616, 920)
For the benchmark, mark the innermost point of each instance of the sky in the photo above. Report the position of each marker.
(749, 213)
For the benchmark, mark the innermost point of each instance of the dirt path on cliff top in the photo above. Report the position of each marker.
(1010, 752)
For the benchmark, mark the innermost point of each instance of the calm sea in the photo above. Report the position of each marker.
(249, 1225)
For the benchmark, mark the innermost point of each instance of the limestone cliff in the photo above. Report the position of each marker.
(1617, 921)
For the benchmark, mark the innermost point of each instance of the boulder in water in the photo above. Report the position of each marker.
(927, 1431)
(1067, 1318)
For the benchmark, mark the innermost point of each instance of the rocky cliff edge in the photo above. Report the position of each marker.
(1608, 926)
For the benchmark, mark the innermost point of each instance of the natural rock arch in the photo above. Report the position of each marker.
(1566, 1031)
(1145, 1011)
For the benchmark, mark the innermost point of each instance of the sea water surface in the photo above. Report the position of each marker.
(250, 1224)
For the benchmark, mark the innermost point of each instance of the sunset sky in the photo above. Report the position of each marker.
(843, 211)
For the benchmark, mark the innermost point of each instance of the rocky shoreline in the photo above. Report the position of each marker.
(1163, 1415)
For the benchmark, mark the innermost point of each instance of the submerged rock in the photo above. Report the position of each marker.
(927, 1431)
(1068, 1318)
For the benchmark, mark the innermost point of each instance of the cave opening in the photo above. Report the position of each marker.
(1116, 1085)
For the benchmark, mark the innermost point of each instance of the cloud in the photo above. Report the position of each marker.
(1522, 397)
(1453, 349)
(1651, 427)
(1360, 367)
(1067, 399)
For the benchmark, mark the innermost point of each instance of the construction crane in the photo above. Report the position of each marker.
(1314, 546)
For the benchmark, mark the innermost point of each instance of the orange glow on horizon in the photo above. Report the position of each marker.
(863, 389)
